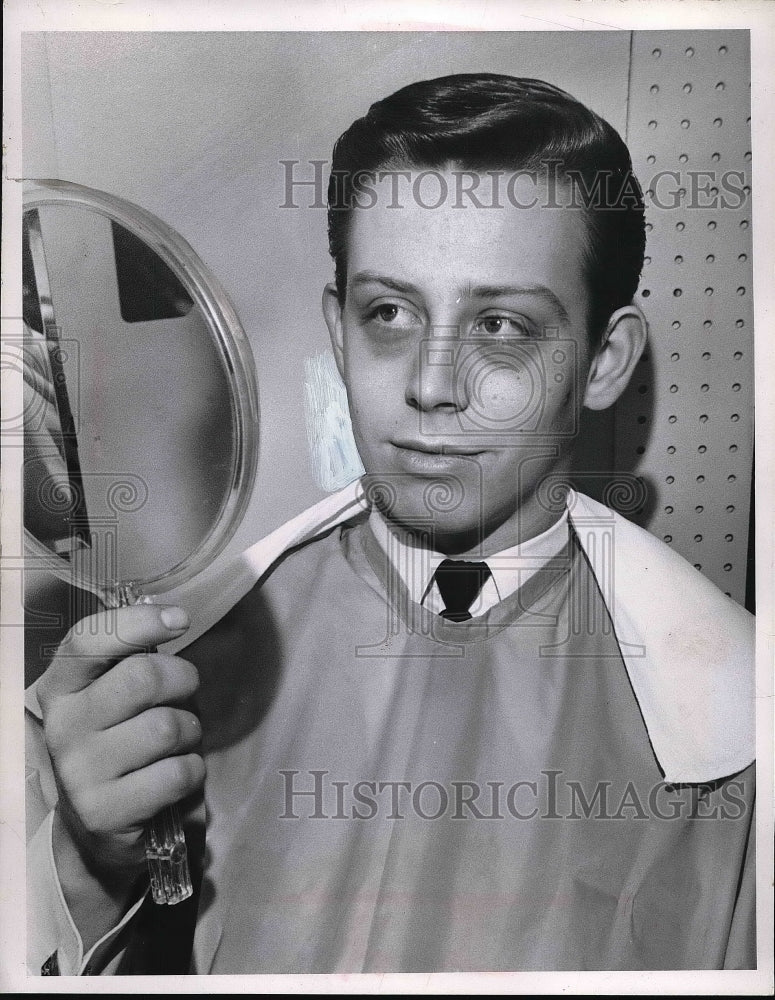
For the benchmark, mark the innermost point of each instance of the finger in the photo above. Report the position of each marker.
(156, 733)
(137, 797)
(138, 683)
(97, 642)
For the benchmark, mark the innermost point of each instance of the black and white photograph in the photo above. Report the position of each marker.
(387, 438)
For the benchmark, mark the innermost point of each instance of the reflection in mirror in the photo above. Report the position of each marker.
(138, 411)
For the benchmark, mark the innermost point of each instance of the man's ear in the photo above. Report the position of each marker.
(332, 311)
(612, 366)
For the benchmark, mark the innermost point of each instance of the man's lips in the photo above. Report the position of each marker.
(437, 448)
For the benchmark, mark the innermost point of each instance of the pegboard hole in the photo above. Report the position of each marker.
(672, 418)
(709, 291)
(702, 449)
(640, 450)
(729, 538)
(739, 323)
(703, 418)
(698, 538)
(669, 509)
(677, 292)
(710, 258)
(680, 226)
(748, 155)
(678, 259)
(722, 50)
(700, 479)
(741, 290)
(733, 447)
(735, 417)
(715, 157)
(712, 224)
(643, 389)
(676, 324)
(647, 260)
(735, 387)
(645, 293)
(675, 356)
(698, 565)
(683, 158)
(744, 224)
(674, 388)
(656, 53)
(737, 355)
(654, 88)
(704, 388)
(689, 52)
(669, 479)
(707, 323)
(718, 122)
(652, 125)
(706, 355)
(668, 538)
(641, 419)
(746, 189)
(685, 123)
(699, 508)
(743, 257)
(687, 88)
(651, 158)
(727, 567)
(730, 508)
(720, 85)
(732, 478)
(671, 449)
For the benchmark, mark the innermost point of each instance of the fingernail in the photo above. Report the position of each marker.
(175, 619)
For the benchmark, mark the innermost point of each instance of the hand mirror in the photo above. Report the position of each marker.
(141, 415)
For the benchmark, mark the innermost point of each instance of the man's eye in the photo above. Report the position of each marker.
(393, 315)
(501, 326)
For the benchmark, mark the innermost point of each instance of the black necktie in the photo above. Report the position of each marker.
(459, 583)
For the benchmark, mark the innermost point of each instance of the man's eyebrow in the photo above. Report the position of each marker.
(372, 277)
(534, 291)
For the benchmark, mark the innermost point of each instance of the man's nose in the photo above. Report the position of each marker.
(434, 381)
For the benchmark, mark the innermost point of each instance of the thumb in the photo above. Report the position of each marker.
(96, 643)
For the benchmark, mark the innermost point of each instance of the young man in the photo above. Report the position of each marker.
(447, 722)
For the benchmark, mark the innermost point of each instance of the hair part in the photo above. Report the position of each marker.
(488, 121)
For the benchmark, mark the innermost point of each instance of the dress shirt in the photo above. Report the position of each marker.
(511, 568)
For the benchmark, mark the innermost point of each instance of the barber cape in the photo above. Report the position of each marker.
(688, 649)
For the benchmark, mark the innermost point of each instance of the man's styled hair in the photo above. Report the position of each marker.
(488, 121)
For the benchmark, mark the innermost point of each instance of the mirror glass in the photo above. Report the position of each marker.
(141, 412)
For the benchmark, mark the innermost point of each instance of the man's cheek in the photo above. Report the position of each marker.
(501, 398)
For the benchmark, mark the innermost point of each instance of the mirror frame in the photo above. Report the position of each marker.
(235, 354)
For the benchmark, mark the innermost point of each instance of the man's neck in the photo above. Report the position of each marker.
(530, 520)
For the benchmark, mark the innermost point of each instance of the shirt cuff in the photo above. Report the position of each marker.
(54, 946)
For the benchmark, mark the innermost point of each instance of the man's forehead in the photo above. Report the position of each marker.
(424, 221)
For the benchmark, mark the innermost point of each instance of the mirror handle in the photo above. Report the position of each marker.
(165, 841)
(167, 857)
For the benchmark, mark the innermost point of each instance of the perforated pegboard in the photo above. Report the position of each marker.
(686, 421)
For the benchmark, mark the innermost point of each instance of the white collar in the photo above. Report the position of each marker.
(511, 568)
